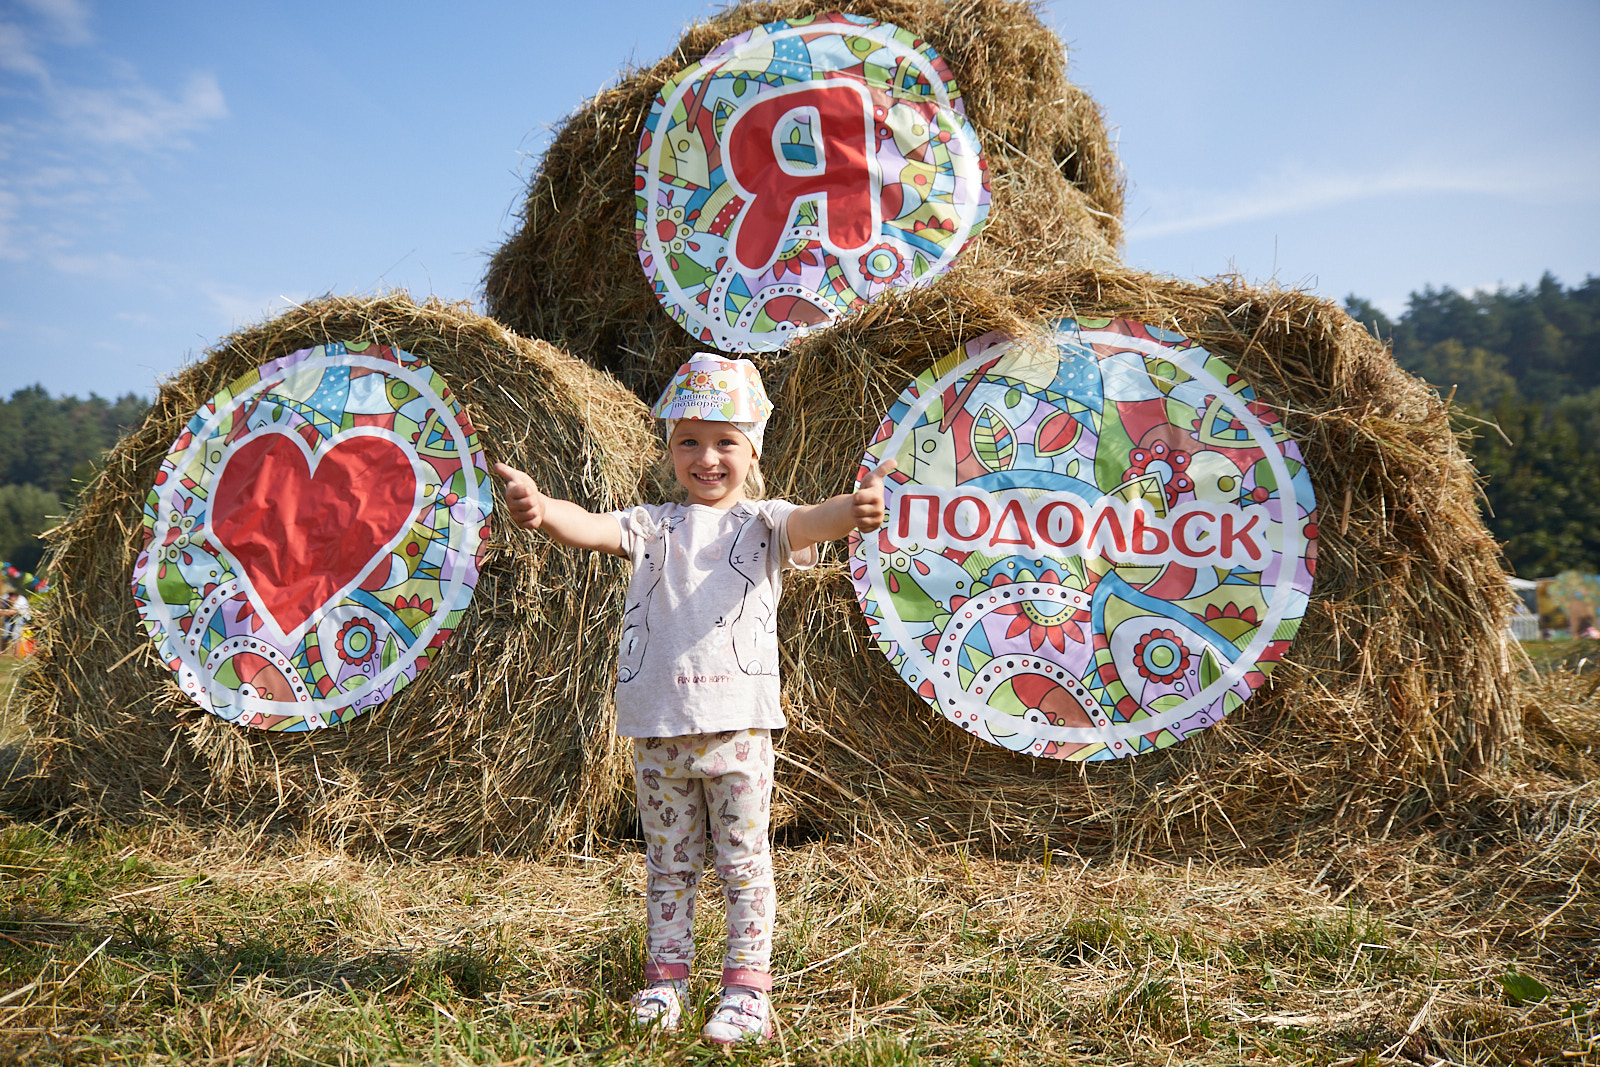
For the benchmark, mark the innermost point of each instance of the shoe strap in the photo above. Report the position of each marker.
(662, 995)
(752, 1004)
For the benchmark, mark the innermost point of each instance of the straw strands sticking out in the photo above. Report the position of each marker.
(571, 273)
(506, 741)
(1397, 688)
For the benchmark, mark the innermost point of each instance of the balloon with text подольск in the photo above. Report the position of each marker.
(1098, 541)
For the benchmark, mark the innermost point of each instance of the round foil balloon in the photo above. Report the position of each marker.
(1097, 543)
(312, 535)
(800, 170)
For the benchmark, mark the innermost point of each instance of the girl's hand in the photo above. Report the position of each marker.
(523, 499)
(866, 505)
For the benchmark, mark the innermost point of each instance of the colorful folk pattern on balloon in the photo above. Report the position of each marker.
(313, 536)
(1097, 543)
(799, 171)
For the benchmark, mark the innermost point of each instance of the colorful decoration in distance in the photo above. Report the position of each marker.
(799, 171)
(1098, 542)
(313, 535)
(1573, 594)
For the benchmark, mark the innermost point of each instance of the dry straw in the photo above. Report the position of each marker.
(571, 273)
(1397, 688)
(505, 741)
(1395, 691)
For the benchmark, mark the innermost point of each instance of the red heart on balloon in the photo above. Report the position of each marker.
(302, 532)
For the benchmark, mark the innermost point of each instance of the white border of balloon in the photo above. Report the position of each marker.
(732, 339)
(464, 538)
(952, 698)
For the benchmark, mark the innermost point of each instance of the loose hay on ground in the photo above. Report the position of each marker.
(571, 272)
(505, 741)
(216, 946)
(1397, 688)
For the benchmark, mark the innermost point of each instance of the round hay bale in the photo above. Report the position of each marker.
(1396, 688)
(506, 741)
(571, 272)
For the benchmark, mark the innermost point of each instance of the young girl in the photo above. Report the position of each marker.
(697, 673)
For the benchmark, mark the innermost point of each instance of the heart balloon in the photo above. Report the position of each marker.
(303, 535)
(313, 536)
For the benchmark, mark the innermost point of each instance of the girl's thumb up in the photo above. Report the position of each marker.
(866, 505)
(523, 498)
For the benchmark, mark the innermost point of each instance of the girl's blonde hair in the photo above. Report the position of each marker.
(755, 487)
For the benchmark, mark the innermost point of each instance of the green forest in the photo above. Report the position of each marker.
(48, 447)
(1522, 367)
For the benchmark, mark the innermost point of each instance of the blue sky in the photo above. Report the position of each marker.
(169, 171)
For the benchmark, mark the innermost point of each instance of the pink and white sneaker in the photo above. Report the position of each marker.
(742, 1015)
(658, 1006)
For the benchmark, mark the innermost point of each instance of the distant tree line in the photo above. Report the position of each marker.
(1523, 363)
(49, 446)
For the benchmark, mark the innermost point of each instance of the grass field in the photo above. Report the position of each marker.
(1476, 941)
(12, 728)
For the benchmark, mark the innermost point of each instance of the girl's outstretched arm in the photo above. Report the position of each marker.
(562, 520)
(836, 516)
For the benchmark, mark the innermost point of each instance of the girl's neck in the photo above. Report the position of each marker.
(727, 503)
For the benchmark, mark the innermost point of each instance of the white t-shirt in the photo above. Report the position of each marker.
(699, 650)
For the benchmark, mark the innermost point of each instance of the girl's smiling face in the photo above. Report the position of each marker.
(710, 460)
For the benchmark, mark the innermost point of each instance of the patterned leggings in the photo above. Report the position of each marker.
(684, 784)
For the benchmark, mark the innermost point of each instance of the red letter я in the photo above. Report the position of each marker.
(842, 180)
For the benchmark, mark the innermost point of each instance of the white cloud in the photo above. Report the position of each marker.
(48, 178)
(1296, 189)
(105, 266)
(80, 124)
(69, 18)
(141, 117)
(59, 21)
(17, 52)
(240, 308)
